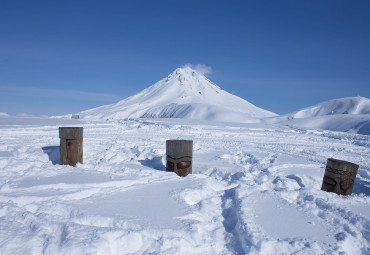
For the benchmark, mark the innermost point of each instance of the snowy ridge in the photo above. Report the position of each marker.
(183, 94)
(348, 105)
(350, 114)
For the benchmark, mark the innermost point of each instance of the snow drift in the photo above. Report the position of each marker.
(350, 114)
(255, 189)
(183, 94)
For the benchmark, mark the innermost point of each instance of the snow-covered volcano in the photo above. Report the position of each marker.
(185, 93)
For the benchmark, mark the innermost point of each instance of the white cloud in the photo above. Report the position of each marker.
(200, 68)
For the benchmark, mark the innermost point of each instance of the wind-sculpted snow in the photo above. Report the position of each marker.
(255, 189)
(183, 94)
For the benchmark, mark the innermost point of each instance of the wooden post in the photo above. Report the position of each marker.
(71, 145)
(339, 176)
(179, 156)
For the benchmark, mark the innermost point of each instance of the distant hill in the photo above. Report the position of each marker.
(185, 93)
(347, 105)
(350, 114)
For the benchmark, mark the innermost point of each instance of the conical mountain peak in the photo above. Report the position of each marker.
(184, 73)
(185, 93)
(186, 78)
(186, 70)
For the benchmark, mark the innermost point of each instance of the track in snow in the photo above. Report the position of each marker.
(247, 178)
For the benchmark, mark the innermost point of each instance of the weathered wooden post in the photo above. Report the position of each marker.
(179, 156)
(71, 145)
(339, 176)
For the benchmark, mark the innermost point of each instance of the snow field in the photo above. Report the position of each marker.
(255, 189)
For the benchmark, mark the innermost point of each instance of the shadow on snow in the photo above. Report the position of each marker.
(53, 153)
(155, 163)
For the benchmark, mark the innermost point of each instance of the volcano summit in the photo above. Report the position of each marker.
(185, 93)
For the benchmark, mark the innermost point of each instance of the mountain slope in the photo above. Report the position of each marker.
(350, 114)
(347, 105)
(183, 94)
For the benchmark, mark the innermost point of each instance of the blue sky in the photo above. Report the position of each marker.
(59, 57)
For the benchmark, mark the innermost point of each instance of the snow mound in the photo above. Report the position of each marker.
(183, 94)
(350, 114)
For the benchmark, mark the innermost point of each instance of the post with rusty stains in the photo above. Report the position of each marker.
(179, 156)
(339, 176)
(71, 145)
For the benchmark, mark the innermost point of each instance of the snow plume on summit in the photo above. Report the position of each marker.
(185, 93)
(200, 68)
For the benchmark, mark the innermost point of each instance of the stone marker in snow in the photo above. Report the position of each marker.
(179, 156)
(71, 145)
(339, 176)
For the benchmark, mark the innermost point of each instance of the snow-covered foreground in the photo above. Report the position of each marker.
(255, 189)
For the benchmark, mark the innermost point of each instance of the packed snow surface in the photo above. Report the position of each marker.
(255, 189)
(350, 114)
(183, 94)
